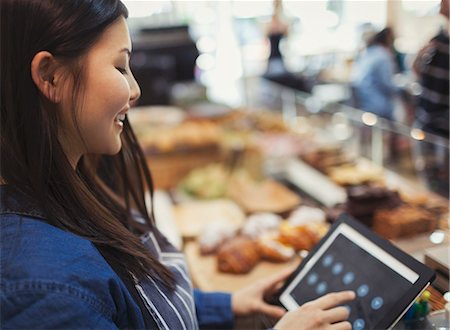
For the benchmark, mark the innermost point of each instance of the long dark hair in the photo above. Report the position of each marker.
(32, 158)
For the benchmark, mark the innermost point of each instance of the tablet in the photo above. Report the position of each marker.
(385, 279)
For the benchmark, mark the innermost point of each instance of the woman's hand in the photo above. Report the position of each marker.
(318, 314)
(250, 300)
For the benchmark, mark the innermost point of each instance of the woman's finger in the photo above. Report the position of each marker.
(271, 310)
(274, 280)
(333, 299)
(345, 325)
(336, 314)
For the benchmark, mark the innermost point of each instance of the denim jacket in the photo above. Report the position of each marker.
(53, 279)
(372, 78)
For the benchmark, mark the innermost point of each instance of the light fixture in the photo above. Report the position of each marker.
(369, 118)
(417, 134)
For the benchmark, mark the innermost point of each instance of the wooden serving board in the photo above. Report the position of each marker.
(206, 277)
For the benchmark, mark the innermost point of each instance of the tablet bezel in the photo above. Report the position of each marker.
(426, 275)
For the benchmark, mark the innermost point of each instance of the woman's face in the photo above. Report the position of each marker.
(108, 88)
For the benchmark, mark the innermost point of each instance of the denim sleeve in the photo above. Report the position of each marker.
(57, 306)
(384, 74)
(213, 310)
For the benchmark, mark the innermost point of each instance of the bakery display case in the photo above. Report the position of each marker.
(371, 168)
(347, 133)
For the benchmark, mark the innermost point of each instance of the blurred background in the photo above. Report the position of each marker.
(222, 43)
(270, 115)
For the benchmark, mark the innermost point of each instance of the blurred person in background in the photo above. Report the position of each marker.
(432, 114)
(372, 76)
(277, 30)
(276, 69)
(77, 253)
(432, 68)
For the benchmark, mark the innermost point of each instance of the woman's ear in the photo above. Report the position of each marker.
(45, 72)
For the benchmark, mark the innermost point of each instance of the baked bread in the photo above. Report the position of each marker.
(306, 215)
(325, 158)
(361, 173)
(259, 224)
(238, 256)
(364, 200)
(404, 221)
(299, 237)
(214, 235)
(273, 250)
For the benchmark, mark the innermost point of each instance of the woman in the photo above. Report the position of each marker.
(276, 69)
(77, 252)
(431, 66)
(276, 32)
(372, 76)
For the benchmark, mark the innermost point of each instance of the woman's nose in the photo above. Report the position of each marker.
(135, 91)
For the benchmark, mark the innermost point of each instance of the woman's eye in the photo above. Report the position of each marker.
(122, 70)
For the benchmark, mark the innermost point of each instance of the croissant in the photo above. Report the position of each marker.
(238, 256)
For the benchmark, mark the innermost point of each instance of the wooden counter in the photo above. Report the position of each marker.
(205, 275)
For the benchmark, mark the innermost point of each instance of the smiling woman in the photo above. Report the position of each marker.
(79, 248)
(61, 105)
(69, 90)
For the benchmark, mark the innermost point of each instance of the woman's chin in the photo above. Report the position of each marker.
(114, 149)
(108, 147)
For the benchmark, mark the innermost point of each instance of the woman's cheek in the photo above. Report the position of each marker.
(116, 92)
(122, 91)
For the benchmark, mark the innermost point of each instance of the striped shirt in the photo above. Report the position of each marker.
(433, 112)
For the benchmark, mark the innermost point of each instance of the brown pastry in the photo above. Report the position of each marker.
(273, 250)
(326, 158)
(299, 237)
(350, 175)
(404, 221)
(214, 235)
(364, 200)
(259, 224)
(238, 256)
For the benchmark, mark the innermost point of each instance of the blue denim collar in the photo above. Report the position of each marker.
(14, 201)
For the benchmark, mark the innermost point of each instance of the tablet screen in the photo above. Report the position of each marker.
(347, 260)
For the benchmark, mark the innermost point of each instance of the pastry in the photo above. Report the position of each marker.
(207, 182)
(260, 223)
(273, 250)
(306, 215)
(404, 221)
(238, 256)
(214, 235)
(325, 158)
(361, 173)
(299, 237)
(364, 200)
